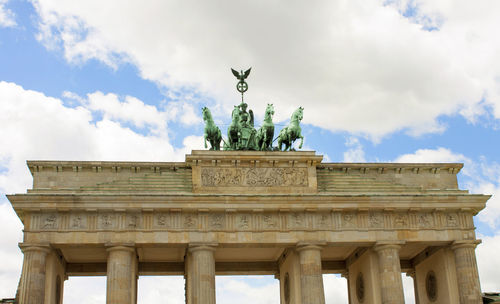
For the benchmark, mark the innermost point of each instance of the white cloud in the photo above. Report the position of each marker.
(354, 153)
(335, 289)
(183, 112)
(359, 66)
(439, 155)
(10, 254)
(7, 18)
(230, 288)
(130, 110)
(488, 262)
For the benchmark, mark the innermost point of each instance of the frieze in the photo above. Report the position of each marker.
(248, 221)
(254, 177)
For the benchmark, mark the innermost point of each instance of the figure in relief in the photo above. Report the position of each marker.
(50, 221)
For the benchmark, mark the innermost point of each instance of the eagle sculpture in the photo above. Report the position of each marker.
(242, 75)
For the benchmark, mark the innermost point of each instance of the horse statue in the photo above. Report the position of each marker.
(233, 130)
(212, 132)
(266, 133)
(291, 132)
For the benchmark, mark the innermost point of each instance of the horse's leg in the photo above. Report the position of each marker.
(205, 139)
(301, 141)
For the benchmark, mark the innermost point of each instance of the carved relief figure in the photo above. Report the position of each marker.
(452, 220)
(161, 219)
(189, 221)
(424, 220)
(107, 221)
(243, 221)
(269, 221)
(77, 222)
(322, 220)
(400, 220)
(348, 220)
(133, 221)
(50, 222)
(376, 220)
(217, 221)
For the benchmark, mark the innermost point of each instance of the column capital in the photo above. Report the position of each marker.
(310, 246)
(465, 244)
(27, 247)
(192, 247)
(381, 245)
(120, 247)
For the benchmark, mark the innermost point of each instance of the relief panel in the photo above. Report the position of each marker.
(49, 221)
(78, 221)
(254, 177)
(107, 221)
(270, 221)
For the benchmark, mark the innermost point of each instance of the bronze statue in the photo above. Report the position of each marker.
(241, 133)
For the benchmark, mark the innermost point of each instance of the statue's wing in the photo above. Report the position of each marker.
(235, 73)
(247, 72)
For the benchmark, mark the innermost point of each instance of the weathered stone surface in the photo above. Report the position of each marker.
(255, 211)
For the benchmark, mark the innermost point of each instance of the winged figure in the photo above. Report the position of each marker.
(241, 76)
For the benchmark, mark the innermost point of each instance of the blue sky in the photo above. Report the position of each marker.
(380, 81)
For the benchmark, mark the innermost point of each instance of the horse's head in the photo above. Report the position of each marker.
(206, 113)
(298, 114)
(236, 113)
(270, 109)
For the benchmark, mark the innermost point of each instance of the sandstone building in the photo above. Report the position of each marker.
(242, 212)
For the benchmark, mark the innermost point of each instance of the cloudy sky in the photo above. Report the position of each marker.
(380, 80)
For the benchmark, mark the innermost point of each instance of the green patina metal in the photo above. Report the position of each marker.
(212, 132)
(241, 133)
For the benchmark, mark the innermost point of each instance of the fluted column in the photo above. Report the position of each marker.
(32, 286)
(469, 289)
(391, 284)
(202, 272)
(311, 276)
(121, 275)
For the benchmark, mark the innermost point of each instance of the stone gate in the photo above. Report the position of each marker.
(240, 212)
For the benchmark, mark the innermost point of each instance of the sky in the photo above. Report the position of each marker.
(379, 80)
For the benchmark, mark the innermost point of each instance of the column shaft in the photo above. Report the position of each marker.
(311, 276)
(32, 285)
(203, 274)
(469, 289)
(391, 284)
(121, 275)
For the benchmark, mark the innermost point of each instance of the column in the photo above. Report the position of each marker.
(391, 284)
(469, 289)
(121, 275)
(202, 271)
(32, 285)
(311, 276)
